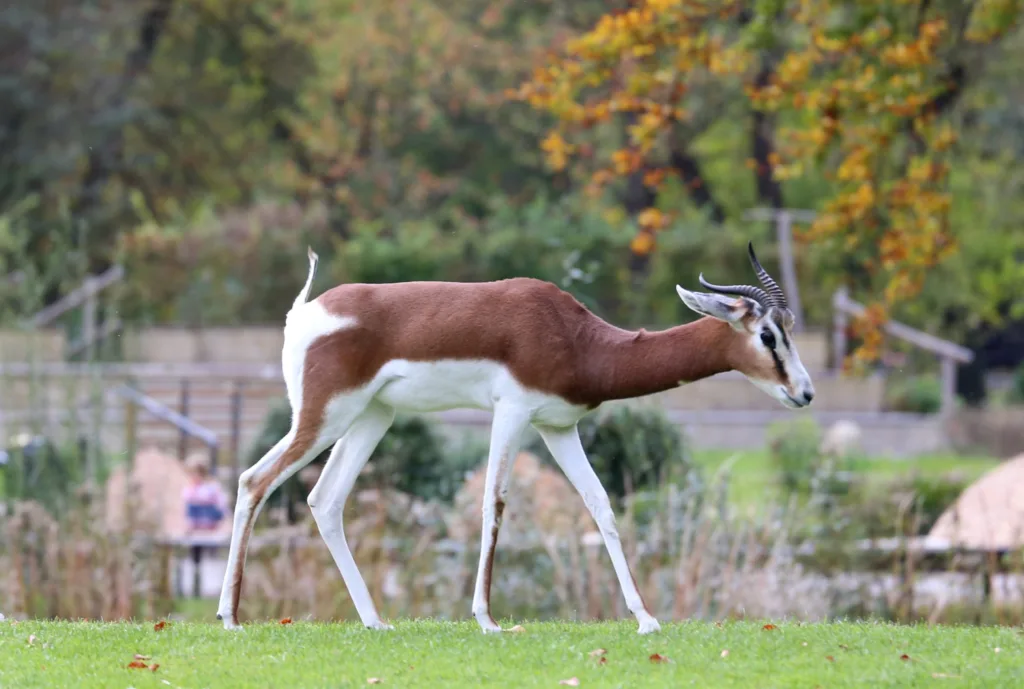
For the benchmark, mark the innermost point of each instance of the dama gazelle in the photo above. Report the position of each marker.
(522, 348)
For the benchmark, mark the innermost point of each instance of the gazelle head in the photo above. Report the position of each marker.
(766, 354)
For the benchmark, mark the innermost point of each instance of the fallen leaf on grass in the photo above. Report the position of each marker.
(159, 626)
(597, 652)
(286, 620)
(942, 675)
(904, 657)
(518, 628)
(154, 666)
(658, 658)
(830, 659)
(768, 627)
(373, 680)
(725, 653)
(137, 665)
(602, 661)
(571, 682)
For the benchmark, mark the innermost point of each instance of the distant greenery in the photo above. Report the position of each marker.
(918, 394)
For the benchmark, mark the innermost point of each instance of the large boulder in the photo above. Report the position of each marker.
(989, 514)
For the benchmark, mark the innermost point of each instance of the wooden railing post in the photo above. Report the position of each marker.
(948, 377)
(183, 403)
(236, 427)
(840, 322)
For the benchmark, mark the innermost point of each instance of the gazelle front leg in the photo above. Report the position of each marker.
(565, 446)
(506, 433)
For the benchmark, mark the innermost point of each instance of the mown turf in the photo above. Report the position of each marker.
(438, 654)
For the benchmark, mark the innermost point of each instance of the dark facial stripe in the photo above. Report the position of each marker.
(777, 322)
(779, 368)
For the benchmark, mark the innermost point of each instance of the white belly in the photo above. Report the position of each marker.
(416, 386)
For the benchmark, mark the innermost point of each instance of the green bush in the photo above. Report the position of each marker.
(935, 494)
(794, 450)
(412, 457)
(35, 468)
(1017, 387)
(917, 394)
(631, 450)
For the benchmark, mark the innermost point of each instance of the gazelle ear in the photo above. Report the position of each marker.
(720, 306)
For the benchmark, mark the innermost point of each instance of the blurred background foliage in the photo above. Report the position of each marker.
(203, 143)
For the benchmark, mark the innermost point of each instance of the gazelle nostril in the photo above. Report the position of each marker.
(808, 396)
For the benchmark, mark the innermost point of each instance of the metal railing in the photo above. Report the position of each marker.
(949, 353)
(188, 427)
(86, 296)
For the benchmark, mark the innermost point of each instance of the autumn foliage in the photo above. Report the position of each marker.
(858, 93)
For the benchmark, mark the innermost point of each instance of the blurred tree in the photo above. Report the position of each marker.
(860, 93)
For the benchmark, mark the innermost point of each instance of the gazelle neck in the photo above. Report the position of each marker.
(634, 364)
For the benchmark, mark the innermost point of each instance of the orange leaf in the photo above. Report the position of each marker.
(602, 661)
(658, 658)
(138, 665)
(154, 666)
(286, 620)
(642, 243)
(830, 659)
(571, 682)
(768, 627)
(904, 657)
(159, 626)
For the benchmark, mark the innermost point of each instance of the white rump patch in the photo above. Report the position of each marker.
(303, 326)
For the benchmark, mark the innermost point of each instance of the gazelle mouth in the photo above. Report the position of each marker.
(794, 401)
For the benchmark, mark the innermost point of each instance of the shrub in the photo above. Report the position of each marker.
(37, 469)
(631, 450)
(1017, 386)
(411, 457)
(794, 450)
(918, 395)
(934, 495)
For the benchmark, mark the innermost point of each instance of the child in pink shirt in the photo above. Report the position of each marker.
(206, 503)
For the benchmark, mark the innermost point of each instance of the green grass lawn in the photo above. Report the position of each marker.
(754, 479)
(439, 654)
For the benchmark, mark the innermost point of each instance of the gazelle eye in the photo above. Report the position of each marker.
(768, 338)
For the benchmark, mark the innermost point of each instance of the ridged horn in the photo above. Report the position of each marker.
(755, 293)
(774, 292)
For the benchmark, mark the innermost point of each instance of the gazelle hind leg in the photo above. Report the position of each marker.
(506, 433)
(565, 446)
(327, 501)
(310, 435)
